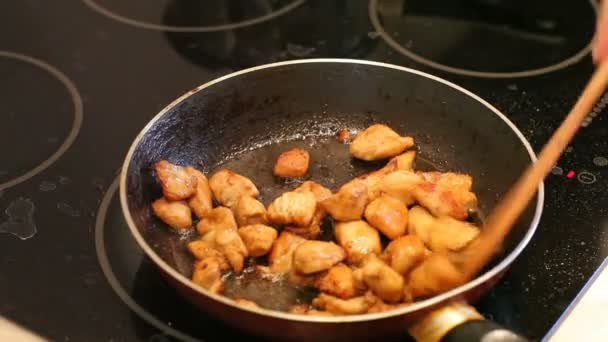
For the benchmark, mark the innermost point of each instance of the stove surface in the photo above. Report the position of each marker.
(79, 79)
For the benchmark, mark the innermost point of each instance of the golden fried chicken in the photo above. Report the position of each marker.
(339, 281)
(348, 203)
(292, 163)
(440, 234)
(246, 303)
(293, 208)
(384, 281)
(258, 238)
(335, 305)
(379, 142)
(176, 182)
(249, 210)
(405, 253)
(229, 187)
(228, 241)
(201, 201)
(217, 218)
(281, 255)
(202, 249)
(208, 274)
(388, 215)
(400, 185)
(446, 194)
(358, 239)
(315, 256)
(176, 214)
(434, 275)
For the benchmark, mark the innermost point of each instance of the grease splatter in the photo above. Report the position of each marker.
(20, 221)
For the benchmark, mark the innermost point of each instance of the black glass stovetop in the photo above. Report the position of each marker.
(80, 78)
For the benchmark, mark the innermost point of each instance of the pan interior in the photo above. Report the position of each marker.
(245, 121)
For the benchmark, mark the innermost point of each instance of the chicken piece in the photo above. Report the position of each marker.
(293, 208)
(201, 201)
(339, 281)
(313, 230)
(229, 187)
(316, 256)
(434, 275)
(343, 135)
(349, 203)
(299, 309)
(440, 234)
(405, 253)
(302, 280)
(176, 182)
(258, 238)
(202, 249)
(379, 142)
(208, 274)
(358, 239)
(446, 194)
(321, 193)
(400, 185)
(292, 163)
(176, 214)
(381, 306)
(281, 255)
(217, 218)
(246, 303)
(352, 306)
(248, 211)
(402, 162)
(228, 241)
(386, 283)
(388, 215)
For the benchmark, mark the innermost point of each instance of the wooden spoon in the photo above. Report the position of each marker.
(499, 222)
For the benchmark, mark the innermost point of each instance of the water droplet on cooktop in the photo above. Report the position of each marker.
(600, 161)
(20, 221)
(68, 209)
(47, 186)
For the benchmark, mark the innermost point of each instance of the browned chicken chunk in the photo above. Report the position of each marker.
(386, 283)
(281, 255)
(388, 215)
(352, 306)
(229, 187)
(293, 208)
(258, 238)
(343, 135)
(202, 200)
(217, 218)
(379, 142)
(228, 241)
(246, 303)
(313, 230)
(208, 274)
(321, 193)
(316, 256)
(440, 234)
(358, 239)
(339, 281)
(176, 182)
(400, 185)
(176, 214)
(292, 163)
(349, 203)
(446, 194)
(405, 253)
(202, 250)
(434, 275)
(249, 210)
(402, 162)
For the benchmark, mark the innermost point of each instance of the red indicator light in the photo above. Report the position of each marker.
(570, 174)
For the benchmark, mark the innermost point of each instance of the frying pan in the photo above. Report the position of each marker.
(245, 119)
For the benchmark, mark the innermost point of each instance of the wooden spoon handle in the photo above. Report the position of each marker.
(504, 215)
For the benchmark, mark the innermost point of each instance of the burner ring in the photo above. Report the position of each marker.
(76, 124)
(92, 4)
(106, 268)
(375, 20)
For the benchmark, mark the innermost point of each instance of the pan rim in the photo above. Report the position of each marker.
(452, 294)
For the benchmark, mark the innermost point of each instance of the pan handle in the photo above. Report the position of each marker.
(459, 322)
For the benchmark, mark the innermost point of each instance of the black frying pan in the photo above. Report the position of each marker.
(244, 120)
